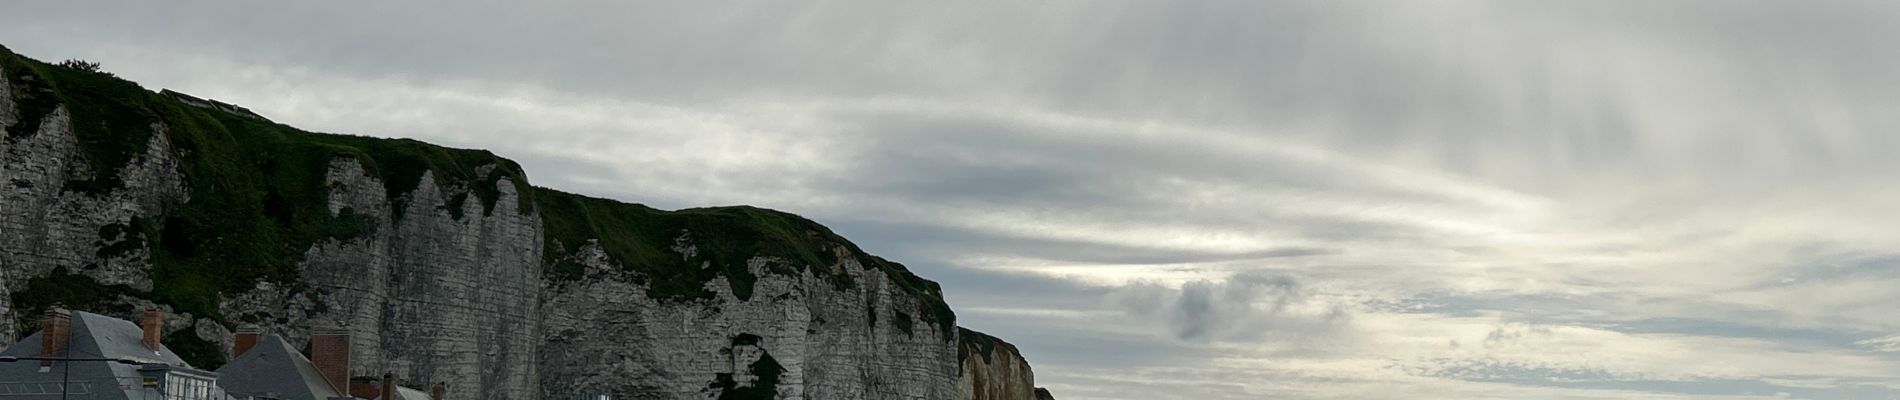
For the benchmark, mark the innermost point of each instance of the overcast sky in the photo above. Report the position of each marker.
(1193, 200)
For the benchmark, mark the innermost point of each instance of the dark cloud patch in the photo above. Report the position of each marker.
(1245, 307)
(1090, 345)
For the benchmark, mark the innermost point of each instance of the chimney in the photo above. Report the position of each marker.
(364, 387)
(246, 339)
(439, 391)
(153, 322)
(330, 351)
(389, 386)
(55, 330)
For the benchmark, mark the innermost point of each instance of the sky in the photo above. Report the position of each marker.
(1195, 199)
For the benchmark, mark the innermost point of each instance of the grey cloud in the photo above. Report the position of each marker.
(1246, 307)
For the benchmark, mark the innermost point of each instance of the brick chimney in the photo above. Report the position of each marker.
(439, 391)
(153, 323)
(389, 386)
(330, 351)
(364, 387)
(55, 330)
(245, 339)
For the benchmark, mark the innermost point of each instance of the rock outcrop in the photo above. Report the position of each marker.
(800, 335)
(993, 369)
(445, 264)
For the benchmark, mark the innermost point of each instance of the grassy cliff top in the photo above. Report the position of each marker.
(971, 342)
(642, 239)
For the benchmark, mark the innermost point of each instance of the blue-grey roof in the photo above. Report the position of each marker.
(273, 368)
(405, 393)
(93, 336)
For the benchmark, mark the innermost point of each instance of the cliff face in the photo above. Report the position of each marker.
(117, 198)
(732, 302)
(993, 369)
(430, 296)
(445, 264)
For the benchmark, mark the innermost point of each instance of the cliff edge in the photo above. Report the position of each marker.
(993, 369)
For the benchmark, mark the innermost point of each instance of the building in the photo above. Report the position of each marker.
(267, 367)
(78, 355)
(199, 102)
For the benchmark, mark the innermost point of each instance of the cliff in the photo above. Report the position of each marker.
(117, 198)
(768, 304)
(445, 264)
(993, 369)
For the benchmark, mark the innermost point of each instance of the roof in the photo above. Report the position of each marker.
(274, 369)
(93, 336)
(405, 393)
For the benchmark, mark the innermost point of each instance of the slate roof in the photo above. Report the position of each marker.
(273, 368)
(405, 393)
(93, 336)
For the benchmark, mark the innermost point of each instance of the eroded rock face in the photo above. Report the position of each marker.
(44, 228)
(605, 335)
(427, 296)
(993, 369)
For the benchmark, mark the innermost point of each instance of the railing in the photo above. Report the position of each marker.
(44, 388)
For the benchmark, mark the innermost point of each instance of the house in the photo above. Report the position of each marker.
(78, 355)
(199, 102)
(267, 367)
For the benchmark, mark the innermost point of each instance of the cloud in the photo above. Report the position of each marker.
(1245, 307)
(1890, 344)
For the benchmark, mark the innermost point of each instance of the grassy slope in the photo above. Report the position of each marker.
(640, 238)
(258, 201)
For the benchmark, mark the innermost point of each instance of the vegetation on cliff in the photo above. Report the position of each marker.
(971, 342)
(257, 203)
(723, 240)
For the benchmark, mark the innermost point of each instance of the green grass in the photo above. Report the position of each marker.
(641, 239)
(75, 291)
(110, 116)
(33, 97)
(196, 351)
